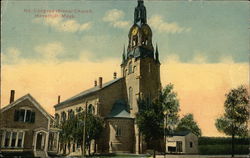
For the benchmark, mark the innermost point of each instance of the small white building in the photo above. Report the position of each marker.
(183, 142)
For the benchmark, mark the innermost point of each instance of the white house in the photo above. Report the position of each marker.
(183, 142)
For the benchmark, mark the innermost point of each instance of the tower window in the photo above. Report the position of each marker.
(130, 68)
(130, 97)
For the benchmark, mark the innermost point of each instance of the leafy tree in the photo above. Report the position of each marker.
(170, 103)
(234, 120)
(150, 121)
(187, 123)
(72, 130)
(94, 127)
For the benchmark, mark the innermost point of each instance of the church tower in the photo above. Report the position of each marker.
(140, 65)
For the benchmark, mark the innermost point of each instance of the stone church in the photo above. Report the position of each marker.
(116, 100)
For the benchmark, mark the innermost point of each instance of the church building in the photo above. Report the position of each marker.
(116, 100)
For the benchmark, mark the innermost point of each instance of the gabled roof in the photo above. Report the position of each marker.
(119, 110)
(32, 100)
(88, 92)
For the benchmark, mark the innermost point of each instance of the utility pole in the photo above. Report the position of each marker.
(84, 130)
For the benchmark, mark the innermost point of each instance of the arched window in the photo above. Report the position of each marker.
(57, 119)
(71, 114)
(63, 116)
(130, 97)
(130, 70)
(91, 109)
(134, 68)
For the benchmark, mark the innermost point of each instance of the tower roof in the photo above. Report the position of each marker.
(140, 14)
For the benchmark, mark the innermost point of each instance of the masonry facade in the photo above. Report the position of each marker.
(116, 100)
(27, 127)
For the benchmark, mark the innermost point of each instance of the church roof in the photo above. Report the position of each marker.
(87, 92)
(119, 110)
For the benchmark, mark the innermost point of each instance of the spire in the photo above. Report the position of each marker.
(140, 14)
(123, 55)
(157, 54)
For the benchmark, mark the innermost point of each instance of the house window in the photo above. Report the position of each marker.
(130, 97)
(7, 139)
(118, 132)
(191, 144)
(13, 140)
(24, 115)
(20, 139)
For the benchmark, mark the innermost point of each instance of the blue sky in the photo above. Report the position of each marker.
(211, 29)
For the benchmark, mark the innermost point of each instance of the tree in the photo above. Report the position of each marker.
(170, 103)
(94, 127)
(150, 121)
(187, 123)
(72, 130)
(234, 120)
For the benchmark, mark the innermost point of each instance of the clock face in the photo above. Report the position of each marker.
(134, 31)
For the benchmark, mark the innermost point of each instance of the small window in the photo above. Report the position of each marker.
(130, 70)
(21, 115)
(118, 132)
(191, 144)
(28, 116)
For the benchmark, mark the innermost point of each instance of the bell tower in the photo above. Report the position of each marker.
(140, 65)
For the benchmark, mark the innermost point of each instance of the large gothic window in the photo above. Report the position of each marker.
(63, 116)
(91, 109)
(57, 119)
(130, 97)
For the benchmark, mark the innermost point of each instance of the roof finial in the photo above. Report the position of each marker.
(156, 53)
(123, 54)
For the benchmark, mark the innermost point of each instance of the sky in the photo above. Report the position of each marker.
(51, 48)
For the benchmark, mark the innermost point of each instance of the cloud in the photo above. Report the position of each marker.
(157, 23)
(50, 51)
(62, 25)
(199, 58)
(11, 56)
(114, 17)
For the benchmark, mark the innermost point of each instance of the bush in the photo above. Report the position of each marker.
(222, 145)
(222, 149)
(222, 141)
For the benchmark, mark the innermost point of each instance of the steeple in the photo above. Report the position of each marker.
(123, 55)
(140, 14)
(157, 54)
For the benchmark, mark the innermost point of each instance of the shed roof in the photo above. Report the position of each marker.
(181, 133)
